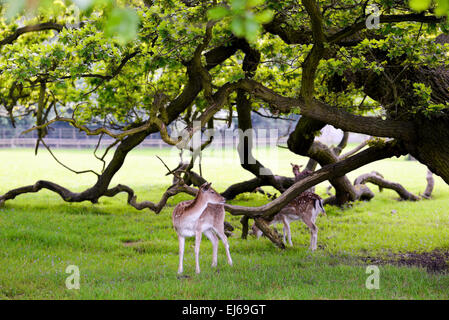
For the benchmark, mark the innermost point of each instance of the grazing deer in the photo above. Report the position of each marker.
(307, 206)
(204, 214)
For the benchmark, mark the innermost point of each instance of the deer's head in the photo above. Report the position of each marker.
(296, 168)
(209, 195)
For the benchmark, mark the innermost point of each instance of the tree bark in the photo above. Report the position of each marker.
(269, 233)
(245, 227)
(430, 147)
(430, 184)
(301, 141)
(245, 145)
(250, 185)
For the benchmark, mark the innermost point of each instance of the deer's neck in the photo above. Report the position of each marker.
(198, 205)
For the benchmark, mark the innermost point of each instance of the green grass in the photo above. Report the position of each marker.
(123, 253)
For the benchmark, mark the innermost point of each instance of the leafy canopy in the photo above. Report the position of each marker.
(110, 62)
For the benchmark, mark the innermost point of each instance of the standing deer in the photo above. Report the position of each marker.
(204, 214)
(307, 206)
(299, 175)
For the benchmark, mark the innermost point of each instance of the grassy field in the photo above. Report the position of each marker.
(123, 253)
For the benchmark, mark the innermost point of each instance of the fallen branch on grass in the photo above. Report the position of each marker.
(376, 179)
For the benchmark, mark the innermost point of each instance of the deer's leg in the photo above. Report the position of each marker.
(224, 239)
(287, 231)
(213, 238)
(314, 239)
(284, 232)
(257, 232)
(313, 234)
(181, 240)
(197, 250)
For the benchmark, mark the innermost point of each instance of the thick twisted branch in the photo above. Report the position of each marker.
(375, 153)
(376, 179)
(155, 207)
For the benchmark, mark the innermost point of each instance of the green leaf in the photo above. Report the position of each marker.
(420, 5)
(238, 27)
(238, 5)
(251, 29)
(254, 3)
(264, 16)
(123, 23)
(442, 8)
(218, 13)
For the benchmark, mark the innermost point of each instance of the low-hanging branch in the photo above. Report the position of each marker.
(315, 109)
(155, 207)
(332, 115)
(64, 165)
(374, 153)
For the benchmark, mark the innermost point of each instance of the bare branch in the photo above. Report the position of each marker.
(155, 207)
(356, 149)
(62, 164)
(105, 152)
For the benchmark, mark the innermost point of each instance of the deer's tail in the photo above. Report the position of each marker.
(320, 206)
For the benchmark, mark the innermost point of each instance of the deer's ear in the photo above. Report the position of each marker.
(205, 185)
(292, 164)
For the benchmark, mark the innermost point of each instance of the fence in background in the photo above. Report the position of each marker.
(73, 138)
(63, 138)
